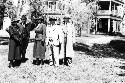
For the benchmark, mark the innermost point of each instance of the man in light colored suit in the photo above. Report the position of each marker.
(55, 35)
(70, 40)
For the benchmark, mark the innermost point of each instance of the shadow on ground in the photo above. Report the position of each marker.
(114, 49)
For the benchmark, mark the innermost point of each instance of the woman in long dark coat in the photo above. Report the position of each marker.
(14, 43)
(39, 44)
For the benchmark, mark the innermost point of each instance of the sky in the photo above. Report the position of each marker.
(15, 2)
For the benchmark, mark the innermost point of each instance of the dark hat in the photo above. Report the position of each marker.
(52, 19)
(23, 17)
(15, 21)
(5, 14)
(39, 18)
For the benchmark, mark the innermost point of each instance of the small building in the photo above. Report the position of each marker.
(110, 15)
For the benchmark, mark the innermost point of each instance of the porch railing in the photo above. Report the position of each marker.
(107, 12)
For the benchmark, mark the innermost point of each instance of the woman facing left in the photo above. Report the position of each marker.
(14, 55)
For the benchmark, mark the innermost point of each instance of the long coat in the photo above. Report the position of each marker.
(14, 43)
(70, 40)
(39, 44)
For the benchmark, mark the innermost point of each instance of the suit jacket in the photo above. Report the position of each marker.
(25, 29)
(55, 34)
(40, 31)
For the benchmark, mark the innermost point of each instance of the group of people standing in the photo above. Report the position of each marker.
(52, 39)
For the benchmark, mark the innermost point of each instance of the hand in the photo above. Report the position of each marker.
(42, 42)
(74, 44)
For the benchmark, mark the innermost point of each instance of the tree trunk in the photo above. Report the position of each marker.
(88, 25)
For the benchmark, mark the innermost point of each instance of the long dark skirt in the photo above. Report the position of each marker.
(14, 51)
(39, 50)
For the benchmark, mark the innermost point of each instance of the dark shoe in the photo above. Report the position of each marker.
(46, 62)
(34, 62)
(23, 60)
(42, 63)
(10, 65)
(17, 63)
(37, 62)
(61, 61)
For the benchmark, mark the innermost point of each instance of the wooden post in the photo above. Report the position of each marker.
(114, 9)
(96, 25)
(61, 14)
(110, 7)
(96, 22)
(109, 24)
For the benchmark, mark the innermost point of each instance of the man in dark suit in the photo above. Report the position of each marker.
(25, 28)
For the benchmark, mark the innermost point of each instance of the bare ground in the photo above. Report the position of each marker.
(85, 69)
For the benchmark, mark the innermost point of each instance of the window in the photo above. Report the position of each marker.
(50, 5)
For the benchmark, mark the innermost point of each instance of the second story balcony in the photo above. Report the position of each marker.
(53, 7)
(53, 11)
(108, 13)
(103, 12)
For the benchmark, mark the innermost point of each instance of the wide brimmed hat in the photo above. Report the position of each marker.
(15, 20)
(23, 17)
(52, 19)
(40, 18)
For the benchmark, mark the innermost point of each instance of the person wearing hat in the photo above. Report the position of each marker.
(25, 28)
(14, 44)
(62, 31)
(70, 40)
(39, 44)
(55, 40)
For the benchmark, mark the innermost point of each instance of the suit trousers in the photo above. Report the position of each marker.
(56, 55)
(51, 54)
(24, 45)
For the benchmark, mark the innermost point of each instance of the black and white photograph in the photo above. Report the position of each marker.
(62, 41)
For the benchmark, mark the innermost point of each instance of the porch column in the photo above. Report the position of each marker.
(116, 26)
(110, 7)
(114, 9)
(114, 6)
(96, 27)
(109, 24)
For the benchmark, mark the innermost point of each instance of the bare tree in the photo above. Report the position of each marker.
(83, 12)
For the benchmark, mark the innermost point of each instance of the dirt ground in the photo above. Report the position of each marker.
(85, 69)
